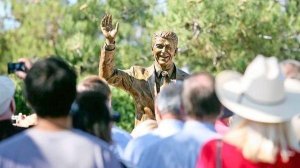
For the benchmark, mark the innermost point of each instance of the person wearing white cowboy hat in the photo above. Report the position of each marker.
(262, 135)
(7, 108)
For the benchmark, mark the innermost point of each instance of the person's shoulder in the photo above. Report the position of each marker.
(158, 154)
(13, 142)
(90, 138)
(165, 144)
(141, 140)
(100, 147)
(211, 144)
(120, 133)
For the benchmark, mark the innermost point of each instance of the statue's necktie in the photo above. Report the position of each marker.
(165, 79)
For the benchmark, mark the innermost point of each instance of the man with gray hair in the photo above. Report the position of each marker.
(143, 84)
(202, 106)
(168, 109)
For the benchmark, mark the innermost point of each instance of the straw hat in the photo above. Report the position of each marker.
(260, 94)
(7, 90)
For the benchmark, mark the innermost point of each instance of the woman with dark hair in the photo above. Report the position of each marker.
(91, 114)
(91, 111)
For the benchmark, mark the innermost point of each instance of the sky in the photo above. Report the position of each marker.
(6, 15)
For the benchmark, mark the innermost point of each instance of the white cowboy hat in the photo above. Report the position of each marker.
(260, 95)
(7, 90)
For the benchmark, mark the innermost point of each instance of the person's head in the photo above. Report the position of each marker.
(164, 47)
(50, 87)
(7, 105)
(199, 98)
(92, 108)
(264, 106)
(291, 69)
(94, 83)
(91, 114)
(168, 101)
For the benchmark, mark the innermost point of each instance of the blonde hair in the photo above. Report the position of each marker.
(262, 142)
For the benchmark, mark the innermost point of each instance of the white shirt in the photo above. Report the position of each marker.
(136, 146)
(59, 149)
(180, 150)
(120, 140)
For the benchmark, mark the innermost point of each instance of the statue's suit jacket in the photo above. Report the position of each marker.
(138, 81)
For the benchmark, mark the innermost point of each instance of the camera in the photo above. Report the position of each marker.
(13, 67)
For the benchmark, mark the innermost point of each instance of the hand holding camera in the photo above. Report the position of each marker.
(20, 68)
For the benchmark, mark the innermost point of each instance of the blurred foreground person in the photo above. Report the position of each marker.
(91, 112)
(50, 88)
(262, 135)
(119, 137)
(202, 106)
(7, 108)
(169, 109)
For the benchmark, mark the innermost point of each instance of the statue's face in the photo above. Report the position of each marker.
(163, 51)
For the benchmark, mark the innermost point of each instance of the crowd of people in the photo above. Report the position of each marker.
(231, 120)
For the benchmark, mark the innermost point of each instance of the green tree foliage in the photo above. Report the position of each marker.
(213, 34)
(123, 104)
(20, 100)
(71, 31)
(227, 34)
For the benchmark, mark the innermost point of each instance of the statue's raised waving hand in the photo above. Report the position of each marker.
(108, 30)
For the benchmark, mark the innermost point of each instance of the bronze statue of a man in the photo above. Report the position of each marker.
(142, 83)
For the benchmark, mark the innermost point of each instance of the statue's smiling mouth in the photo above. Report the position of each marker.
(163, 55)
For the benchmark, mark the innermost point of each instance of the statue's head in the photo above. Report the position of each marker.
(164, 47)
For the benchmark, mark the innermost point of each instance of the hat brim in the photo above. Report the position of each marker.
(229, 89)
(7, 91)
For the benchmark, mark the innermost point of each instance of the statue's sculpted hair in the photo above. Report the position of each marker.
(171, 36)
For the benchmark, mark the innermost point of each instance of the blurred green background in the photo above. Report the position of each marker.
(213, 34)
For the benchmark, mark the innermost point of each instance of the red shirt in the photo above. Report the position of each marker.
(232, 157)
